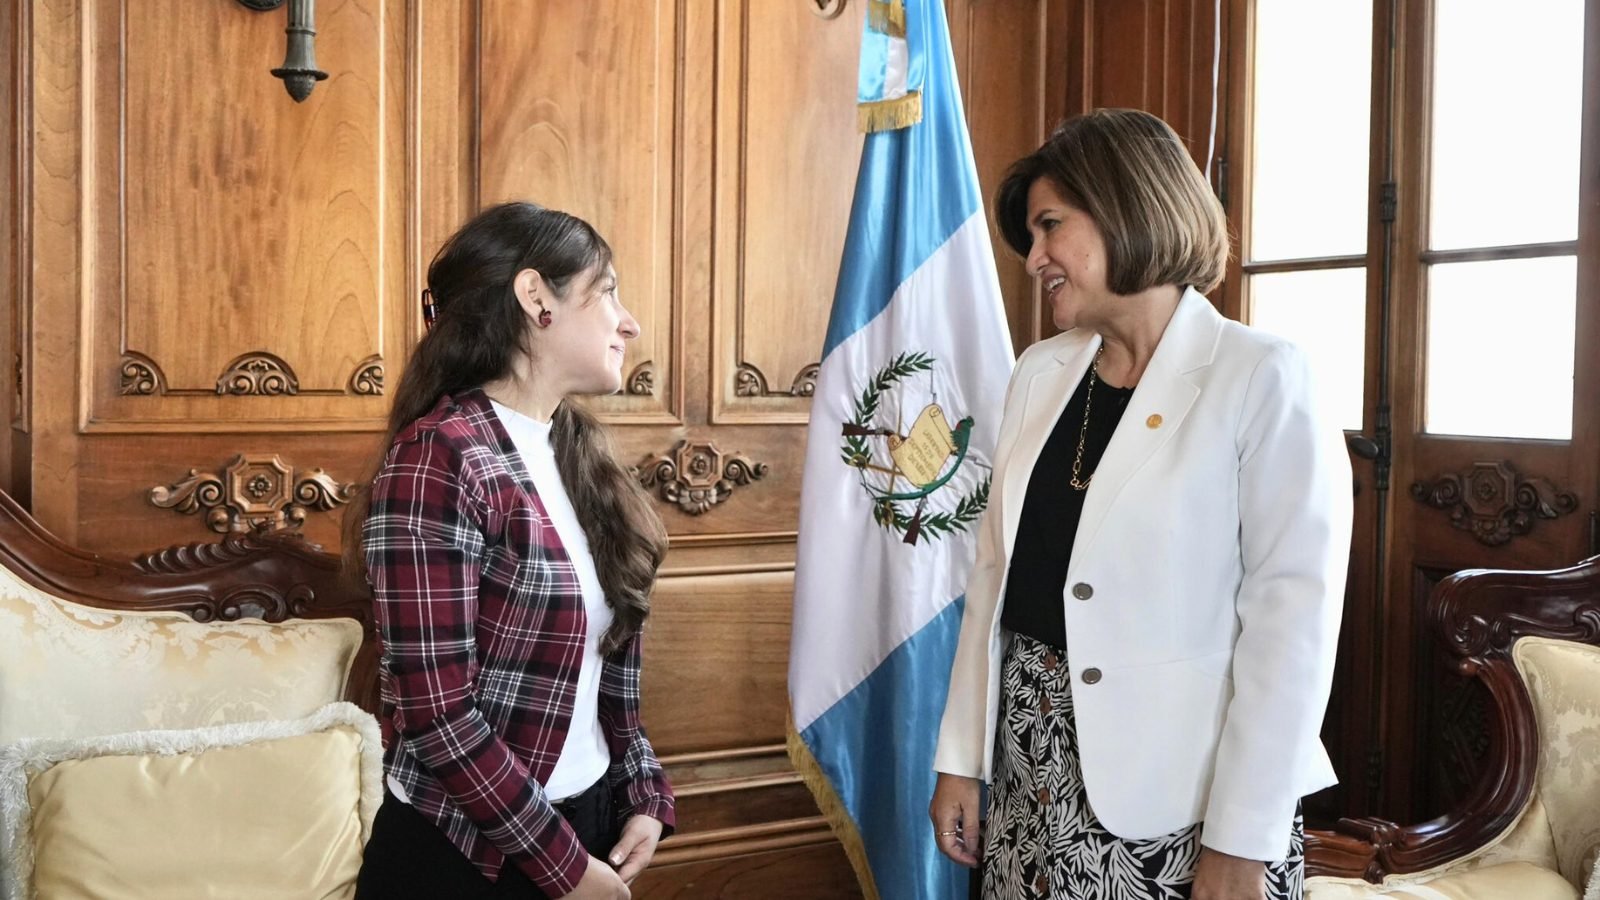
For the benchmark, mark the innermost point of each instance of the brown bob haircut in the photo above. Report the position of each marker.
(1130, 172)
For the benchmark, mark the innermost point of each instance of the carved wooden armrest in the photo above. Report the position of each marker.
(1372, 848)
(1351, 850)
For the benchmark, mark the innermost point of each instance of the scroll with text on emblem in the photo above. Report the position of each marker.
(921, 456)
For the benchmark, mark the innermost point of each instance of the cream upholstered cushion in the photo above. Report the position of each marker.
(70, 670)
(260, 809)
(1563, 677)
(1506, 881)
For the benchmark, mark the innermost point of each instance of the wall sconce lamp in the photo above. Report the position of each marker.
(299, 70)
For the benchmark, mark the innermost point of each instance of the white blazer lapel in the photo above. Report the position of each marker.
(1048, 393)
(1164, 391)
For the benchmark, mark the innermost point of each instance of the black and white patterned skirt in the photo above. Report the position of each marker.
(1043, 840)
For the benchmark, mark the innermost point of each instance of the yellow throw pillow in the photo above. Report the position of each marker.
(259, 809)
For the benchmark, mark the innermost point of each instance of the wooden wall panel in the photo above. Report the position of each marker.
(117, 473)
(717, 659)
(1010, 109)
(723, 789)
(193, 213)
(442, 80)
(805, 864)
(769, 502)
(205, 178)
(1154, 55)
(787, 153)
(53, 252)
(94, 453)
(1026, 65)
(715, 701)
(581, 112)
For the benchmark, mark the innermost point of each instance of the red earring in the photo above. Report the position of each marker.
(544, 318)
(430, 312)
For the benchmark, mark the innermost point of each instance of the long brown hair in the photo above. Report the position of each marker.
(479, 331)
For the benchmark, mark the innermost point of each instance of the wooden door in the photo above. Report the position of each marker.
(1456, 331)
(1495, 348)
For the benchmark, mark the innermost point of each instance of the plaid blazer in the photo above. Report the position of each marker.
(482, 626)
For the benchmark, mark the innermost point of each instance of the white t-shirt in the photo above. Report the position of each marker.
(584, 756)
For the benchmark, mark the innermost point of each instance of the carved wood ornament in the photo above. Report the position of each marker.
(825, 9)
(368, 377)
(748, 381)
(642, 380)
(697, 476)
(254, 492)
(1494, 501)
(257, 373)
(141, 375)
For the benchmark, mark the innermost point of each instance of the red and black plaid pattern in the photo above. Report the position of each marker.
(482, 627)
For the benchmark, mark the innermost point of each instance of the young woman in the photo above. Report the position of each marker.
(511, 560)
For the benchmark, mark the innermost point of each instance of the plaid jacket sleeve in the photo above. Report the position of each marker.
(424, 543)
(634, 767)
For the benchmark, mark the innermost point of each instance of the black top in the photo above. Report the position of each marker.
(1049, 523)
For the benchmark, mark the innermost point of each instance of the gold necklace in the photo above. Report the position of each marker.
(1076, 483)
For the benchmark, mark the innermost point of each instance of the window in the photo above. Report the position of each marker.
(1502, 208)
(1499, 134)
(1305, 246)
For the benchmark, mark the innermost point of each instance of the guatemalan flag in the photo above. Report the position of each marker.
(903, 425)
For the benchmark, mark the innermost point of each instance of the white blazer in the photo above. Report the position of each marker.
(1204, 591)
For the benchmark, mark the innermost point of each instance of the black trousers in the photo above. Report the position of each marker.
(409, 858)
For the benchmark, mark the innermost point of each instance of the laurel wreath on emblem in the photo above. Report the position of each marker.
(890, 507)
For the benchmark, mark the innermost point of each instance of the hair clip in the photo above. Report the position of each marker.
(430, 313)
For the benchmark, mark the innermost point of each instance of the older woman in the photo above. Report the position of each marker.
(1149, 633)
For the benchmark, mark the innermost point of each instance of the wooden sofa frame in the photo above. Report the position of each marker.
(1478, 614)
(269, 576)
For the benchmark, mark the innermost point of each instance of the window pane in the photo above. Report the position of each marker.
(1325, 313)
(1507, 102)
(1478, 312)
(1312, 82)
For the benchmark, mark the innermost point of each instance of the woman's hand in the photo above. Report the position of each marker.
(599, 882)
(637, 845)
(954, 812)
(1219, 876)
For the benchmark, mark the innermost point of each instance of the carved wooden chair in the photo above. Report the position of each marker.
(168, 722)
(1531, 826)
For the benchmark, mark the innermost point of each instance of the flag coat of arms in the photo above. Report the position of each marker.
(904, 420)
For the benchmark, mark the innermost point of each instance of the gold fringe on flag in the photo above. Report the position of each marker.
(888, 115)
(887, 16)
(844, 828)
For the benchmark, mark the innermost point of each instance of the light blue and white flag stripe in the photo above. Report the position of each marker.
(876, 617)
